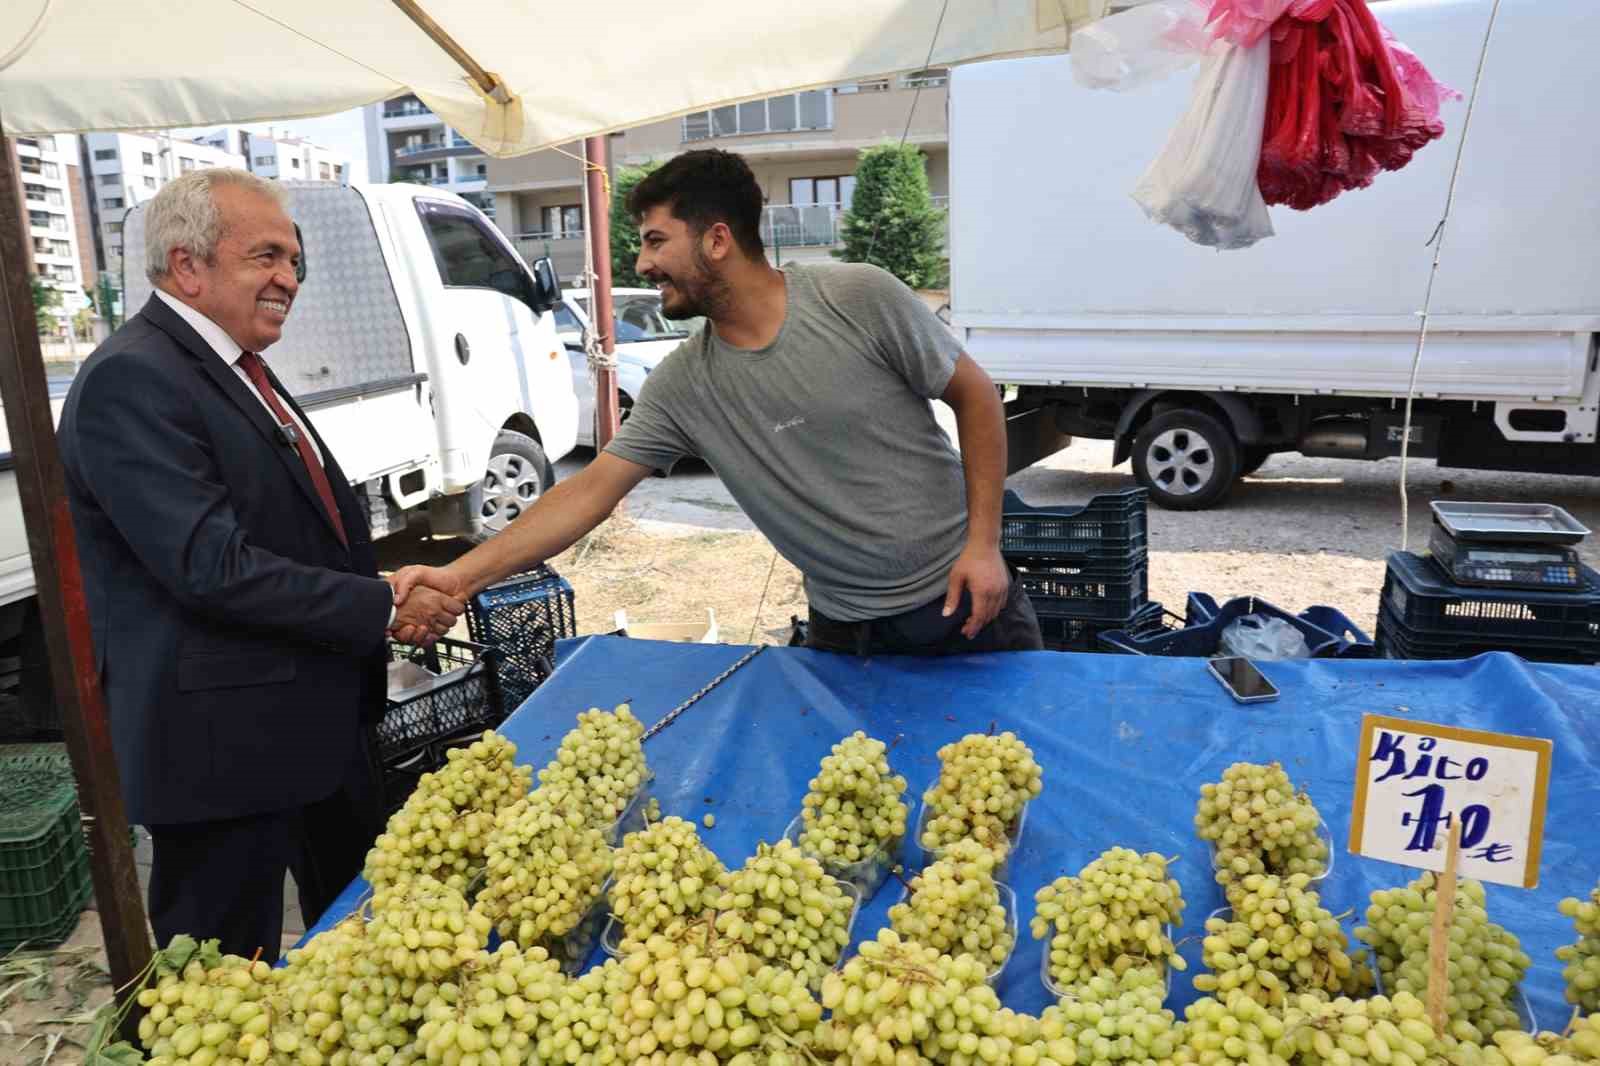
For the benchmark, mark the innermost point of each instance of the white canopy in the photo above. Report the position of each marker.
(558, 71)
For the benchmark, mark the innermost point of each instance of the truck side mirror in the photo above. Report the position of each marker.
(546, 285)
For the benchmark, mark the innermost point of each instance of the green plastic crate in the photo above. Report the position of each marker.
(44, 863)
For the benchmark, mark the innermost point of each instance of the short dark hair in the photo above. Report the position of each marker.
(702, 188)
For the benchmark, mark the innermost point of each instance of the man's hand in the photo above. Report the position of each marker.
(982, 573)
(440, 578)
(426, 615)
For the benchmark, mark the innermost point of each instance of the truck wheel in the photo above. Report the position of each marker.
(518, 474)
(1186, 458)
(1251, 458)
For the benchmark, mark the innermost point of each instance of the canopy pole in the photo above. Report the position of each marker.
(62, 610)
(596, 170)
(492, 86)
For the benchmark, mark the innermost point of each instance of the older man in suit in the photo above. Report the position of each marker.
(239, 621)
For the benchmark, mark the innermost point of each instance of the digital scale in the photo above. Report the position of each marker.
(1508, 545)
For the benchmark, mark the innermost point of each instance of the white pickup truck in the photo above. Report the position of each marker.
(1200, 364)
(422, 347)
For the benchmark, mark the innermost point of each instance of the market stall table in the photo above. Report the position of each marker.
(1125, 743)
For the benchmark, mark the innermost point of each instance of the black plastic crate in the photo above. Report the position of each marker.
(524, 616)
(1109, 528)
(460, 693)
(1432, 608)
(1087, 591)
(1084, 634)
(400, 778)
(1395, 641)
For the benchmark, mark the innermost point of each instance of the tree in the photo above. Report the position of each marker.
(892, 222)
(624, 231)
(45, 302)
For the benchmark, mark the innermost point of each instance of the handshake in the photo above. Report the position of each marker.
(427, 602)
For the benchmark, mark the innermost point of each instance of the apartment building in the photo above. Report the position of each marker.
(802, 146)
(406, 141)
(49, 170)
(124, 169)
(284, 157)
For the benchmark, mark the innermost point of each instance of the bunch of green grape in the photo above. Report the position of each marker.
(1278, 941)
(954, 906)
(307, 1002)
(546, 867)
(1357, 1032)
(491, 1010)
(379, 1012)
(853, 810)
(600, 763)
(1114, 915)
(898, 1001)
(785, 909)
(1116, 1020)
(574, 1026)
(1582, 956)
(1259, 824)
(1486, 961)
(443, 828)
(425, 930)
(663, 872)
(691, 998)
(1581, 1045)
(984, 782)
(1232, 1031)
(211, 1010)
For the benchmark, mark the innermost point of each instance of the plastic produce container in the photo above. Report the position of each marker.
(867, 875)
(1000, 868)
(1324, 834)
(1008, 900)
(1057, 991)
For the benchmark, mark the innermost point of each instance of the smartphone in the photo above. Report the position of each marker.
(1243, 681)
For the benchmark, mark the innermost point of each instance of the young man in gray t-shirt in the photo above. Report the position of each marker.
(808, 393)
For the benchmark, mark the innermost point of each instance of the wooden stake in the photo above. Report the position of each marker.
(1439, 939)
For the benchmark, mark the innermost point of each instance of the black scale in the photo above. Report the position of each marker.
(1518, 546)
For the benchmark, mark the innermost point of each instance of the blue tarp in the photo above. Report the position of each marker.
(1125, 743)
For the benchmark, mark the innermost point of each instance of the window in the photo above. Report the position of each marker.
(807, 191)
(149, 159)
(564, 221)
(263, 160)
(482, 170)
(111, 179)
(49, 170)
(113, 227)
(567, 322)
(469, 255)
(185, 164)
(877, 85)
(111, 202)
(149, 182)
(105, 153)
(114, 249)
(61, 248)
(47, 144)
(338, 172)
(777, 114)
(931, 78)
(324, 172)
(295, 163)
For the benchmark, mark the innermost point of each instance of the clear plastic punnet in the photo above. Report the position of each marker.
(866, 875)
(1324, 834)
(1008, 900)
(1014, 835)
(633, 816)
(1057, 992)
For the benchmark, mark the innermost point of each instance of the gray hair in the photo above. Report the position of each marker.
(184, 215)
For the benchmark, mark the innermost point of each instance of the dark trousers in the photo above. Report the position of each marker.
(925, 631)
(225, 879)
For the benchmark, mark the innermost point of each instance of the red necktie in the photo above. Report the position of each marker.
(256, 371)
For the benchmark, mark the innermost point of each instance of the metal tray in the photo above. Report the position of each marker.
(1533, 523)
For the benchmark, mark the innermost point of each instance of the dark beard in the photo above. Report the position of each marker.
(702, 296)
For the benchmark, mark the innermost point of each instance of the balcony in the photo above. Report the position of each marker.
(810, 225)
(407, 109)
(790, 113)
(431, 151)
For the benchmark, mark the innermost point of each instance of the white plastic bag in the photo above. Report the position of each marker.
(1259, 637)
(1203, 184)
(1139, 46)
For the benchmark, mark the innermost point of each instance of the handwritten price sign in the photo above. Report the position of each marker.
(1414, 778)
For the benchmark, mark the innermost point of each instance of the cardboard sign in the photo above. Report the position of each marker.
(1414, 779)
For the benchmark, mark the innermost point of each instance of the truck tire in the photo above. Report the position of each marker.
(1186, 458)
(518, 474)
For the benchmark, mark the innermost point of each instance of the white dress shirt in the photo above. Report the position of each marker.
(229, 352)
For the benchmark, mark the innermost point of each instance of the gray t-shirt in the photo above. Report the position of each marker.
(825, 437)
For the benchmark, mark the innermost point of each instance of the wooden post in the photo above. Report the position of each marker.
(596, 153)
(1444, 906)
(62, 610)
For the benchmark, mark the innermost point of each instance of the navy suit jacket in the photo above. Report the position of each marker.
(240, 644)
